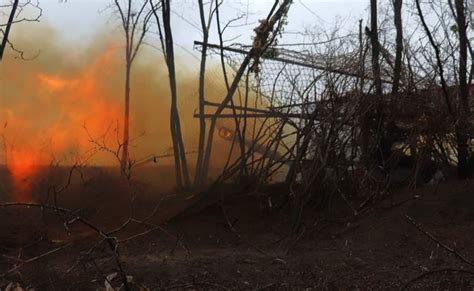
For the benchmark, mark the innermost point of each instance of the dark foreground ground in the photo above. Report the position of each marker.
(245, 248)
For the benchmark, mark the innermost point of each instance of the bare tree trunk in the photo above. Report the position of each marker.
(364, 127)
(361, 59)
(128, 67)
(462, 124)
(243, 156)
(374, 37)
(198, 178)
(126, 118)
(181, 166)
(130, 23)
(8, 28)
(369, 123)
(397, 8)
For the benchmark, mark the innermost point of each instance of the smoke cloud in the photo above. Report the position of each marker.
(64, 103)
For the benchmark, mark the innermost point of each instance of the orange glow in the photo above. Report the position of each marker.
(22, 166)
(46, 104)
(55, 83)
(66, 109)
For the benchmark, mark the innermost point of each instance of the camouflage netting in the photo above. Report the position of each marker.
(284, 77)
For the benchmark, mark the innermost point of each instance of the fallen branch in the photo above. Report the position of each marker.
(425, 274)
(23, 262)
(444, 246)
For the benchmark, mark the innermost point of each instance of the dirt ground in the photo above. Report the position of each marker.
(240, 245)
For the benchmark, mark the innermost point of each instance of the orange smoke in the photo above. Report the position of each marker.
(75, 109)
(53, 105)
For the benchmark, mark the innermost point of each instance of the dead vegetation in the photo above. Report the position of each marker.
(344, 169)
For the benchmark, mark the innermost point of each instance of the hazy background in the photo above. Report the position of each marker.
(72, 91)
(79, 20)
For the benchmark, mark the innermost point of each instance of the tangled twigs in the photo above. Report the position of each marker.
(111, 241)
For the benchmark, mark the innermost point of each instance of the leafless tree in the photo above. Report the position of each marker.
(372, 120)
(167, 44)
(451, 66)
(135, 19)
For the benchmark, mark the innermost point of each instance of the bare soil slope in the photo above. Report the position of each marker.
(241, 246)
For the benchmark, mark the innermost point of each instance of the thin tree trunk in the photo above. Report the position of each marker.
(361, 59)
(181, 166)
(463, 112)
(243, 156)
(130, 23)
(126, 119)
(198, 178)
(364, 127)
(397, 7)
(368, 121)
(374, 37)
